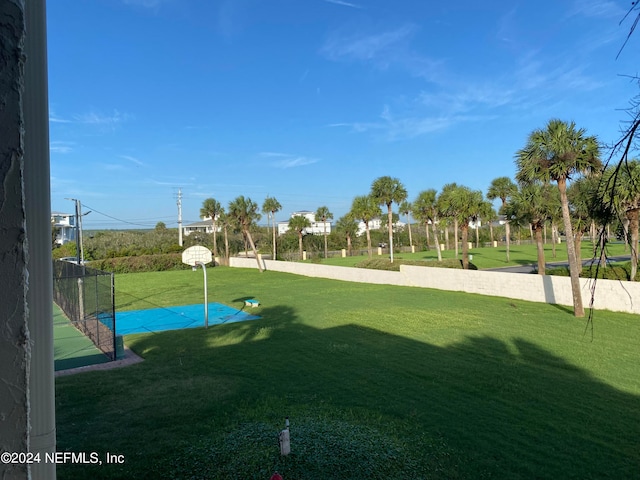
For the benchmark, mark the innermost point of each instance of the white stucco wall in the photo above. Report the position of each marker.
(610, 294)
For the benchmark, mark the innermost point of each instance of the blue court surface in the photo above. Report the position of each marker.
(176, 318)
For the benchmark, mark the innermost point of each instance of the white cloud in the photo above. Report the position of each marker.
(133, 160)
(597, 8)
(366, 47)
(53, 118)
(93, 118)
(286, 160)
(61, 147)
(345, 4)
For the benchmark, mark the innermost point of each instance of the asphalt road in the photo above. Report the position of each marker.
(533, 267)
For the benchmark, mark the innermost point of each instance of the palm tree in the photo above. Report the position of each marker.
(625, 197)
(225, 222)
(324, 214)
(529, 205)
(425, 209)
(555, 154)
(503, 188)
(348, 226)
(462, 205)
(270, 207)
(446, 207)
(245, 212)
(405, 209)
(299, 224)
(366, 208)
(387, 190)
(211, 208)
(582, 195)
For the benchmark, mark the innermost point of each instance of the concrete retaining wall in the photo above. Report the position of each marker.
(610, 294)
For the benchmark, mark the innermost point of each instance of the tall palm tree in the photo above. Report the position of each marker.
(405, 209)
(503, 188)
(366, 208)
(324, 214)
(555, 153)
(211, 208)
(466, 203)
(270, 207)
(582, 196)
(348, 226)
(387, 190)
(299, 224)
(425, 209)
(245, 212)
(447, 208)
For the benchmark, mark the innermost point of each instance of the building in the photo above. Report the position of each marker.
(65, 227)
(376, 224)
(316, 228)
(203, 226)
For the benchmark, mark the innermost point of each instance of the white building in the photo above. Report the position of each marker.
(376, 224)
(65, 227)
(203, 226)
(316, 228)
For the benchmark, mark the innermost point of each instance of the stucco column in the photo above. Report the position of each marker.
(38, 215)
(27, 420)
(15, 349)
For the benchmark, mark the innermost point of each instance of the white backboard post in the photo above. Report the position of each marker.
(199, 255)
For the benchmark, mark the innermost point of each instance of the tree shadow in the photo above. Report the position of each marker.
(506, 409)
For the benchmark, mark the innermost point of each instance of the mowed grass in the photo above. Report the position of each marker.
(378, 382)
(488, 257)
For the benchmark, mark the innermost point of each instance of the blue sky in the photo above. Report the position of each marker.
(310, 100)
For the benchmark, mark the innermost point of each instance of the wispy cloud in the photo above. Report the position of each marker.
(345, 4)
(53, 118)
(597, 8)
(286, 160)
(133, 160)
(61, 147)
(366, 47)
(99, 119)
(144, 3)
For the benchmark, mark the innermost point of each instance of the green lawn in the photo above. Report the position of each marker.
(489, 257)
(378, 382)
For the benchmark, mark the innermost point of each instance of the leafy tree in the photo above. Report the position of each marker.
(324, 214)
(244, 212)
(503, 188)
(387, 190)
(347, 226)
(405, 209)
(211, 208)
(555, 153)
(299, 224)
(582, 196)
(160, 227)
(366, 208)
(425, 209)
(270, 207)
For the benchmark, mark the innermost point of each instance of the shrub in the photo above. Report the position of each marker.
(385, 264)
(620, 271)
(142, 263)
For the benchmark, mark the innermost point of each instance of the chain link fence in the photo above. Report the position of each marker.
(87, 297)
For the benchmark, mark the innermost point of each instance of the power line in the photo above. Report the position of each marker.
(119, 219)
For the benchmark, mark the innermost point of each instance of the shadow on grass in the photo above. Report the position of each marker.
(504, 409)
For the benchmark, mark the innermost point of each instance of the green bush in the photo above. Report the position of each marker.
(385, 264)
(620, 271)
(141, 263)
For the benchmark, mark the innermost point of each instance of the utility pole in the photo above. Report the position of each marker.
(180, 217)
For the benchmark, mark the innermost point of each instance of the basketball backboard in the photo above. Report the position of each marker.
(197, 254)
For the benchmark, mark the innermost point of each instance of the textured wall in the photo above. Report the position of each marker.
(14, 334)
